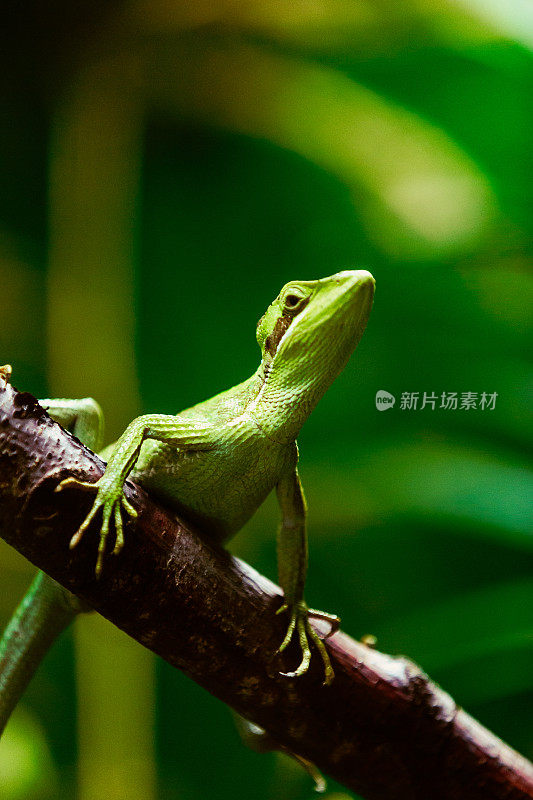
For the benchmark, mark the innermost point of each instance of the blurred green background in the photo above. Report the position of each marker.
(166, 167)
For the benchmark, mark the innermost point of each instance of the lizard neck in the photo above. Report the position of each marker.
(285, 398)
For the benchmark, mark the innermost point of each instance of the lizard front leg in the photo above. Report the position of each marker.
(292, 569)
(110, 500)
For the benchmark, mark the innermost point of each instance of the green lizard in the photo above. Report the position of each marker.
(216, 462)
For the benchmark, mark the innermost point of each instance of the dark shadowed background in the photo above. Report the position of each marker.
(165, 168)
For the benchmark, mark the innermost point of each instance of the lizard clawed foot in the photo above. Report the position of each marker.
(85, 486)
(111, 504)
(333, 619)
(299, 623)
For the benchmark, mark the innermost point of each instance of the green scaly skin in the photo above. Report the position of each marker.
(216, 462)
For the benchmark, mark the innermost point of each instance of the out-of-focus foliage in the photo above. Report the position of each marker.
(166, 167)
(25, 765)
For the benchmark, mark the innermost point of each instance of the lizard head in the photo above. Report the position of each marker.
(310, 330)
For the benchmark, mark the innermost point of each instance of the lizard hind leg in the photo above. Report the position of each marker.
(259, 740)
(84, 418)
(292, 567)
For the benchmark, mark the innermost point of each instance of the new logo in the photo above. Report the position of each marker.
(384, 400)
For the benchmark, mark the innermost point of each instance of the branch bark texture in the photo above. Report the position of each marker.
(382, 728)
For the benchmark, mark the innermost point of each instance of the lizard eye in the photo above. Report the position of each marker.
(294, 302)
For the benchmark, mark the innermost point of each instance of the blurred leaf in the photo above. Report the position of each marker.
(21, 342)
(26, 768)
(501, 674)
(417, 192)
(467, 626)
(514, 20)
(444, 481)
(479, 644)
(115, 713)
(329, 26)
(504, 294)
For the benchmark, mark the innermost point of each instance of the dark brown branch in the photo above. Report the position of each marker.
(382, 728)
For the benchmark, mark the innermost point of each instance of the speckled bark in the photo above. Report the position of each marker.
(383, 729)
